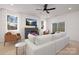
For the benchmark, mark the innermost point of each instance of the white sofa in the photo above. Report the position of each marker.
(49, 44)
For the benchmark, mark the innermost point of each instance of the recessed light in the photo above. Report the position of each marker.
(69, 8)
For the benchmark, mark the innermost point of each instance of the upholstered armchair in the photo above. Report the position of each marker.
(9, 37)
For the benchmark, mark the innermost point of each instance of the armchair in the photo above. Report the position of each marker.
(9, 37)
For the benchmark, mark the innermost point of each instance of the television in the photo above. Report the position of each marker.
(31, 22)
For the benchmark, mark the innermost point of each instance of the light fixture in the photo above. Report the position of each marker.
(69, 8)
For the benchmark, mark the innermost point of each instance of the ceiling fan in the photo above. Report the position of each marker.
(46, 8)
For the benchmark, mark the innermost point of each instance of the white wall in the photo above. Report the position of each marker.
(21, 22)
(71, 21)
(71, 24)
(2, 24)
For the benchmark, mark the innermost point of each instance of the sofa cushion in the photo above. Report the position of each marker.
(43, 39)
(59, 35)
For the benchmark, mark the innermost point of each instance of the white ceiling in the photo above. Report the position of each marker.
(31, 9)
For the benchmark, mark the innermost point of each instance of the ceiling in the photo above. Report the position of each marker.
(31, 9)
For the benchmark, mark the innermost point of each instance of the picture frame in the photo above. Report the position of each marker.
(31, 22)
(12, 22)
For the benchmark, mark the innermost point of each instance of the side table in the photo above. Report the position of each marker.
(20, 48)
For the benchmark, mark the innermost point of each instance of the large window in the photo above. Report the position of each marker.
(58, 27)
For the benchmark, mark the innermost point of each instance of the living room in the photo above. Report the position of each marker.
(67, 14)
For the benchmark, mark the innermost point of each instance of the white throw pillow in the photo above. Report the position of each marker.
(59, 35)
(31, 37)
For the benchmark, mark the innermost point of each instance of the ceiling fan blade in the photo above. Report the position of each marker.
(51, 9)
(39, 9)
(47, 11)
(45, 6)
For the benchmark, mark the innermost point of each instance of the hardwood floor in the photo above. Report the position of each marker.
(8, 49)
(71, 49)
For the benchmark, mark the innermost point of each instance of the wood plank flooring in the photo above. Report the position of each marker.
(71, 49)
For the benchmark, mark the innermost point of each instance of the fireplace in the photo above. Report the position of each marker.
(31, 30)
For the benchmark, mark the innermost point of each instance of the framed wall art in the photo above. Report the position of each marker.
(12, 22)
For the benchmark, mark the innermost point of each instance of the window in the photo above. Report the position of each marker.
(58, 27)
(54, 27)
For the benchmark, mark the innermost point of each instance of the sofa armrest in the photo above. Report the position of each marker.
(30, 44)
